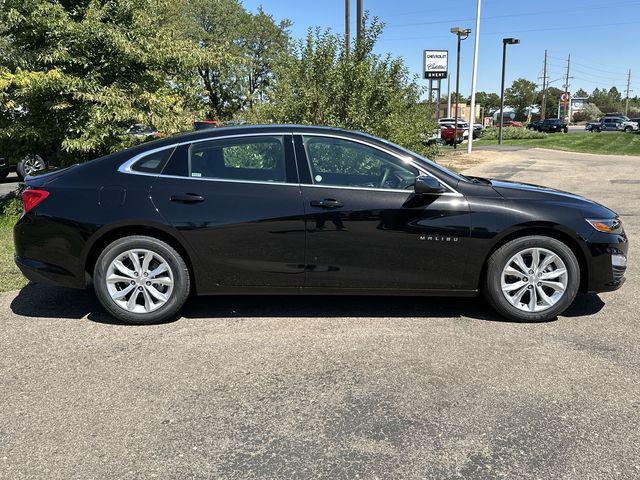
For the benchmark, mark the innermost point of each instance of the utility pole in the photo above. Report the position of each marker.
(543, 107)
(566, 88)
(474, 76)
(359, 24)
(347, 26)
(626, 103)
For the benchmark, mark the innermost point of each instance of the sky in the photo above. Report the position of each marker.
(601, 36)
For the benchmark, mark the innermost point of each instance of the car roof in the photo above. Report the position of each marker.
(252, 129)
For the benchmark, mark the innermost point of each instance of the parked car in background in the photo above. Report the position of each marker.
(462, 125)
(611, 124)
(290, 209)
(553, 125)
(511, 123)
(142, 131)
(448, 133)
(534, 125)
(636, 120)
(26, 165)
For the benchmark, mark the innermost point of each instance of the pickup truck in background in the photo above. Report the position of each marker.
(612, 124)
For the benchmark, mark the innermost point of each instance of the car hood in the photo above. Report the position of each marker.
(528, 191)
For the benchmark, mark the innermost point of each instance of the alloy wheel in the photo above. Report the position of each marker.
(32, 164)
(139, 281)
(534, 279)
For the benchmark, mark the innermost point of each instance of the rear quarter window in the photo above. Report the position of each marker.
(153, 162)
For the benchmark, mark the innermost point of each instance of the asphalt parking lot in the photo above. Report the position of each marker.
(326, 387)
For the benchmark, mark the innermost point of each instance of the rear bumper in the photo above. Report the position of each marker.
(41, 272)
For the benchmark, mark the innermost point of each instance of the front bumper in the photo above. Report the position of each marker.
(608, 263)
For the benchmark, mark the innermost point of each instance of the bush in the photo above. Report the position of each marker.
(511, 133)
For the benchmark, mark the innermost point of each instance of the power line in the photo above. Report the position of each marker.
(511, 15)
(500, 33)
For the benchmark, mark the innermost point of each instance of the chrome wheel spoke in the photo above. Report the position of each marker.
(156, 294)
(132, 302)
(513, 272)
(535, 258)
(115, 278)
(533, 299)
(158, 270)
(553, 274)
(515, 299)
(510, 287)
(548, 260)
(543, 296)
(519, 261)
(146, 260)
(557, 286)
(120, 294)
(123, 269)
(162, 281)
(135, 260)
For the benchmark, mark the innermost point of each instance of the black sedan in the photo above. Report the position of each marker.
(295, 210)
(553, 125)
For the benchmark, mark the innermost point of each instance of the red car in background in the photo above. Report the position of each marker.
(512, 123)
(447, 134)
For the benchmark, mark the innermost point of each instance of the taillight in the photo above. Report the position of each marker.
(32, 197)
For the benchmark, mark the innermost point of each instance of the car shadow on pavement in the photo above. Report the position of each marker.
(44, 301)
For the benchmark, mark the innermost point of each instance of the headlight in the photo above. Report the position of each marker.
(608, 225)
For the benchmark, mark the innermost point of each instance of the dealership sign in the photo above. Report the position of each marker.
(436, 64)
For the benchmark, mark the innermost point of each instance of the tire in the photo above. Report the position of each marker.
(29, 165)
(565, 130)
(628, 129)
(501, 259)
(146, 309)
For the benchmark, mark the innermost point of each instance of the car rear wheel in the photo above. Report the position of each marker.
(30, 165)
(532, 279)
(628, 129)
(141, 280)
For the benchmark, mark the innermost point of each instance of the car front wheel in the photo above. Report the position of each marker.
(532, 279)
(141, 280)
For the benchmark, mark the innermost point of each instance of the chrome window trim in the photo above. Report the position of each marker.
(125, 167)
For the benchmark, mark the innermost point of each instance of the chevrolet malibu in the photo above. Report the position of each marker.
(308, 210)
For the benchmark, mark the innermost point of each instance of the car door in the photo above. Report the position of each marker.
(237, 202)
(367, 229)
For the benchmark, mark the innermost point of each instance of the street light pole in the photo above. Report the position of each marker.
(474, 76)
(505, 42)
(460, 33)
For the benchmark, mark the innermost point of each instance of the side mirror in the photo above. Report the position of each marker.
(427, 184)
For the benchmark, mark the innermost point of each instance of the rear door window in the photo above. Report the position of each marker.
(250, 159)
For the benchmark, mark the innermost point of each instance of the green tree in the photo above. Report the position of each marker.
(321, 83)
(75, 74)
(520, 96)
(490, 101)
(608, 101)
(552, 101)
(581, 93)
(254, 42)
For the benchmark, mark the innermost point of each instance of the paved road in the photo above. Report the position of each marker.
(9, 184)
(332, 387)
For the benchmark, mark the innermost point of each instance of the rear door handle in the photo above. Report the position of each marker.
(187, 198)
(326, 203)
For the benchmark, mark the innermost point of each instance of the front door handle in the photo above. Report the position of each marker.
(187, 198)
(326, 203)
